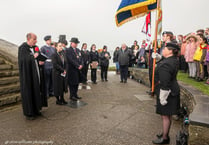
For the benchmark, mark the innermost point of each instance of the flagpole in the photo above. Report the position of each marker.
(155, 48)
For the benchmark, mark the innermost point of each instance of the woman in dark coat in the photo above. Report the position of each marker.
(94, 59)
(85, 54)
(104, 63)
(167, 90)
(59, 74)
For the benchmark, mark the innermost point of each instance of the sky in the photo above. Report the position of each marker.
(92, 21)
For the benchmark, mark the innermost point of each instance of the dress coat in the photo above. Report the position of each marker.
(165, 79)
(74, 60)
(59, 62)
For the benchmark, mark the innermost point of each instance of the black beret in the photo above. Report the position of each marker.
(172, 46)
(48, 37)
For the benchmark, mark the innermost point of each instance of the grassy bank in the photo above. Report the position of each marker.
(198, 85)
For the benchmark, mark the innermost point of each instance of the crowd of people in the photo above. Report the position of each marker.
(54, 69)
(193, 54)
(57, 68)
(190, 54)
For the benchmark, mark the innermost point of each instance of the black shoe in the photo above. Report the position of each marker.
(30, 117)
(77, 97)
(161, 141)
(106, 80)
(59, 103)
(102, 80)
(64, 102)
(148, 92)
(159, 135)
(85, 83)
(94, 82)
(38, 114)
(121, 81)
(51, 95)
(125, 81)
(200, 80)
(73, 99)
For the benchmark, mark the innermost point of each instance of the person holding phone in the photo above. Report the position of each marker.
(59, 74)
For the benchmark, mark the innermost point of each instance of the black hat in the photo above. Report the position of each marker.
(48, 37)
(172, 46)
(75, 40)
(104, 47)
(63, 42)
(167, 32)
(164, 32)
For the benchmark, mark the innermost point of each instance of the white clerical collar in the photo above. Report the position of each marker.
(31, 49)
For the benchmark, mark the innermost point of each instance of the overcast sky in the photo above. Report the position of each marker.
(92, 21)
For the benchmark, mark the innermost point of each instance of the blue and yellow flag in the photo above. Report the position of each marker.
(131, 9)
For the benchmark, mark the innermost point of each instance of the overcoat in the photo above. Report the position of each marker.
(74, 60)
(165, 79)
(59, 66)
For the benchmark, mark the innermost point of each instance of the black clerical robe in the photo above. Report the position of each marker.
(30, 81)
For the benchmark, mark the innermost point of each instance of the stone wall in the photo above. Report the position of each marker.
(9, 74)
(197, 104)
(8, 51)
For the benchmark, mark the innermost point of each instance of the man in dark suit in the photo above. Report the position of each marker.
(75, 65)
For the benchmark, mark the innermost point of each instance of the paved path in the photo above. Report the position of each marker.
(116, 114)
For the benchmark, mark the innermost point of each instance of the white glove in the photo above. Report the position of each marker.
(156, 55)
(164, 96)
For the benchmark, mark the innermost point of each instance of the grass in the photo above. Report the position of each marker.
(184, 78)
(112, 68)
(198, 85)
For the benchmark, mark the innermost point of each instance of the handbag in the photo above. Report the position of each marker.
(94, 64)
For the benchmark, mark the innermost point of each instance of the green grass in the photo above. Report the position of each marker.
(112, 68)
(198, 85)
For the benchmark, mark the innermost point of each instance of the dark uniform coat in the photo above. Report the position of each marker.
(29, 81)
(74, 60)
(165, 79)
(59, 66)
(48, 51)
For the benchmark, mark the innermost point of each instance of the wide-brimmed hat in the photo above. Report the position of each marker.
(75, 40)
(192, 36)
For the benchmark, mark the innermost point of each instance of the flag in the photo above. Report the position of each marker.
(147, 26)
(159, 17)
(131, 9)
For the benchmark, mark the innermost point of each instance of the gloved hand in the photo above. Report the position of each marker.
(156, 55)
(164, 96)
